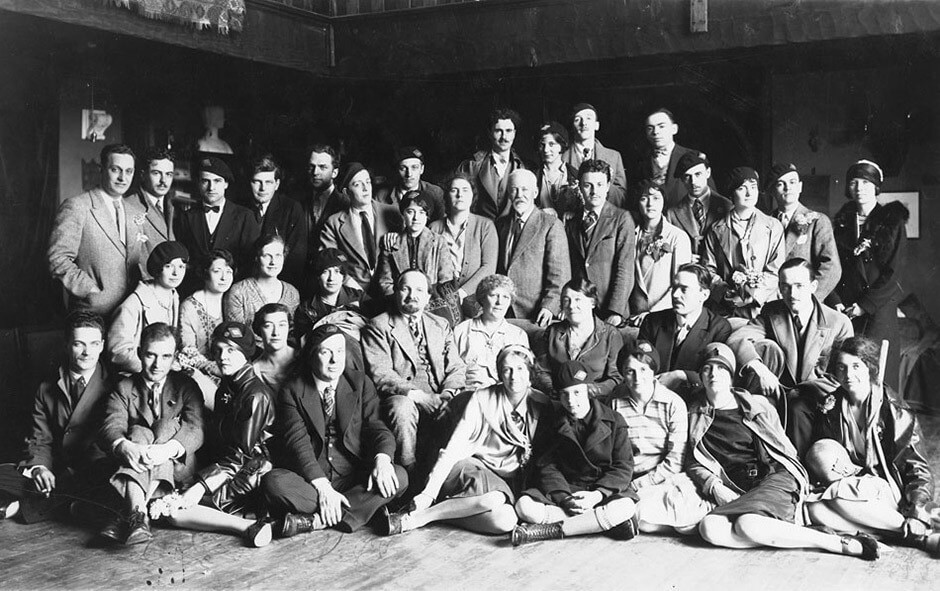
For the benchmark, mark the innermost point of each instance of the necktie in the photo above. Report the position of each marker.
(329, 402)
(587, 223)
(699, 211)
(78, 387)
(119, 217)
(415, 327)
(514, 234)
(159, 205)
(587, 153)
(212, 208)
(784, 219)
(153, 399)
(798, 324)
(368, 239)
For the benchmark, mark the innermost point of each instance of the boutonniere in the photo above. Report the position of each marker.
(803, 221)
(139, 219)
(863, 248)
(657, 248)
(747, 278)
(141, 237)
(826, 405)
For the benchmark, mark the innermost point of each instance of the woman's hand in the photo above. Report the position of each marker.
(724, 495)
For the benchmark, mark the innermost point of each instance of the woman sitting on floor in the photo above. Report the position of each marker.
(243, 418)
(276, 362)
(248, 295)
(480, 471)
(743, 461)
(582, 481)
(897, 483)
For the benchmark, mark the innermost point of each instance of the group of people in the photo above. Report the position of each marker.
(540, 352)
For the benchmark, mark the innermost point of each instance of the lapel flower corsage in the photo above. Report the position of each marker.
(863, 248)
(803, 221)
(826, 404)
(657, 247)
(139, 219)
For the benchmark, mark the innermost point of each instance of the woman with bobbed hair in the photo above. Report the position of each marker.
(557, 180)
(582, 336)
(887, 483)
(248, 295)
(275, 364)
(871, 239)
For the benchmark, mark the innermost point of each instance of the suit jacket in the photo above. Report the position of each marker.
(156, 226)
(391, 195)
(181, 403)
(659, 328)
(65, 436)
(682, 216)
(608, 257)
(618, 176)
(674, 189)
(604, 462)
(599, 356)
(237, 232)
(335, 203)
(301, 426)
(814, 242)
(87, 255)
(490, 190)
(540, 263)
(285, 217)
(339, 232)
(806, 360)
(392, 360)
(433, 258)
(480, 251)
(723, 257)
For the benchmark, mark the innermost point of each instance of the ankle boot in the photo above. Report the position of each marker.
(533, 532)
(300, 523)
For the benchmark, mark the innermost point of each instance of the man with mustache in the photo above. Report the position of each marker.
(92, 246)
(490, 169)
(155, 196)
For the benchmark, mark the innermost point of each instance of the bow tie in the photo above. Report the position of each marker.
(212, 208)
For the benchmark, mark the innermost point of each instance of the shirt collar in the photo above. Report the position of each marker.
(73, 376)
(525, 217)
(322, 385)
(690, 322)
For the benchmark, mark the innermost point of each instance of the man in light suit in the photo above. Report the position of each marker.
(154, 195)
(790, 340)
(602, 243)
(808, 234)
(533, 252)
(586, 147)
(744, 250)
(280, 215)
(661, 162)
(217, 223)
(62, 459)
(357, 231)
(490, 169)
(93, 248)
(680, 334)
(337, 449)
(698, 211)
(153, 426)
(410, 163)
(413, 360)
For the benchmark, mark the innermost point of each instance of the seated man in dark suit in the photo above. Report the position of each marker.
(337, 449)
(413, 360)
(217, 224)
(410, 163)
(62, 460)
(790, 340)
(153, 426)
(702, 206)
(281, 215)
(680, 334)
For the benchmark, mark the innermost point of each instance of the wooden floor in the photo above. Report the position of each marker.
(61, 556)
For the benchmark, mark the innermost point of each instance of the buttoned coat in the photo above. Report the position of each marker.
(340, 232)
(607, 258)
(156, 226)
(540, 264)
(814, 242)
(236, 232)
(618, 176)
(682, 216)
(392, 360)
(389, 194)
(490, 199)
(673, 189)
(659, 328)
(480, 251)
(285, 218)
(433, 258)
(86, 253)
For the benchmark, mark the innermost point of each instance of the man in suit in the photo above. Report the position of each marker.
(533, 252)
(280, 215)
(62, 460)
(154, 195)
(322, 197)
(490, 169)
(698, 211)
(413, 360)
(153, 427)
(602, 243)
(586, 147)
(217, 223)
(357, 230)
(93, 246)
(808, 234)
(338, 450)
(662, 161)
(410, 162)
(790, 340)
(744, 250)
(680, 334)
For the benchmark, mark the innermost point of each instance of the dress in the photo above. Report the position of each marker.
(245, 299)
(479, 350)
(196, 326)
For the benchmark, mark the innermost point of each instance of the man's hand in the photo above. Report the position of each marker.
(132, 455)
(854, 311)
(158, 454)
(723, 495)
(429, 403)
(331, 502)
(673, 380)
(390, 240)
(544, 318)
(769, 383)
(44, 480)
(614, 320)
(383, 477)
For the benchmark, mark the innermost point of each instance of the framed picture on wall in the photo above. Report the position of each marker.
(911, 200)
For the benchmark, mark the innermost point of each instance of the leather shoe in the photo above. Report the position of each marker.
(258, 534)
(393, 522)
(114, 530)
(138, 529)
(626, 530)
(300, 523)
(9, 510)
